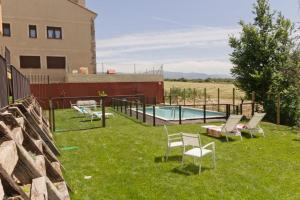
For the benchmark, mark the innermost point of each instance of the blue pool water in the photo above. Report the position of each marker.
(172, 113)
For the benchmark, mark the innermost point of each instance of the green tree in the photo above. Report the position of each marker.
(265, 60)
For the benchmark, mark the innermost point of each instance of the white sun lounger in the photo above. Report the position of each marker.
(95, 115)
(253, 125)
(228, 129)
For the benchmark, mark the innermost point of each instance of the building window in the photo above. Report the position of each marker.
(54, 32)
(30, 62)
(6, 29)
(56, 62)
(32, 31)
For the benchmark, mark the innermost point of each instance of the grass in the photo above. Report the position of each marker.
(211, 88)
(124, 161)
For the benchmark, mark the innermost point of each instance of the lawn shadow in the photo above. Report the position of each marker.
(221, 139)
(161, 159)
(296, 140)
(189, 169)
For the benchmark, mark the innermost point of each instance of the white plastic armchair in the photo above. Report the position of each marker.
(192, 147)
(173, 141)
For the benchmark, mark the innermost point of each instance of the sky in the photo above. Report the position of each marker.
(180, 35)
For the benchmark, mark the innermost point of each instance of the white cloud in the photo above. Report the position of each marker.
(167, 42)
(170, 21)
(205, 66)
(217, 66)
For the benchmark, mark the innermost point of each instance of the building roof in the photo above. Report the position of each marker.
(90, 11)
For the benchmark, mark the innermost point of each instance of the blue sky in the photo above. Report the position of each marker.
(182, 35)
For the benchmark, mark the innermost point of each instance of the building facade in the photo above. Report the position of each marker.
(48, 37)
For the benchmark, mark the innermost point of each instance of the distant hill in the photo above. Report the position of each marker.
(190, 76)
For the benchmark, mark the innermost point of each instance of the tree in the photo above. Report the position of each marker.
(264, 57)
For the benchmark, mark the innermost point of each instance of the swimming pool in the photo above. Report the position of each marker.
(172, 113)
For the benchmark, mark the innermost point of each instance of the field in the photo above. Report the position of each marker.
(125, 161)
(226, 90)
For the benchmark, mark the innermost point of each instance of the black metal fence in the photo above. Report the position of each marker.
(147, 113)
(13, 84)
(64, 114)
(20, 84)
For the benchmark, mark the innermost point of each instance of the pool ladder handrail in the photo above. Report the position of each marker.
(173, 113)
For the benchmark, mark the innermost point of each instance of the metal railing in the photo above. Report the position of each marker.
(13, 84)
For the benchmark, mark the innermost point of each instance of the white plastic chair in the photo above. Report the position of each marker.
(81, 111)
(229, 128)
(173, 141)
(192, 147)
(253, 125)
(95, 115)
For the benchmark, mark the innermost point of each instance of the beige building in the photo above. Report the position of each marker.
(48, 37)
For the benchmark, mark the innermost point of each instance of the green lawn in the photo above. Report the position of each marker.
(125, 162)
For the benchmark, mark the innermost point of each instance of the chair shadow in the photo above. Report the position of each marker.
(161, 159)
(233, 138)
(189, 169)
(77, 117)
(88, 120)
(248, 135)
(221, 139)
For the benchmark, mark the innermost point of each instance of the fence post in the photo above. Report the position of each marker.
(126, 107)
(50, 115)
(144, 112)
(118, 103)
(233, 99)
(184, 96)
(227, 111)
(136, 110)
(121, 102)
(218, 99)
(241, 108)
(180, 121)
(253, 97)
(130, 107)
(170, 96)
(278, 110)
(103, 113)
(154, 121)
(194, 97)
(12, 84)
(53, 117)
(204, 113)
(204, 96)
(253, 108)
